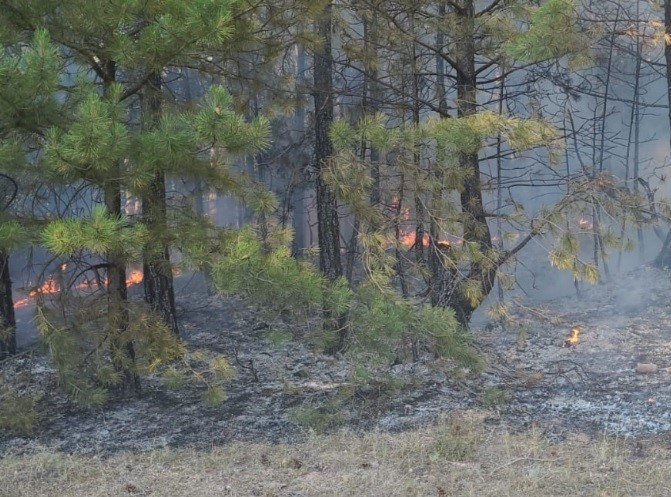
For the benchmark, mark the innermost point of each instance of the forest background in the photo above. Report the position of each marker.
(380, 167)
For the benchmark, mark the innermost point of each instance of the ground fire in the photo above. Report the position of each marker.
(573, 337)
(51, 286)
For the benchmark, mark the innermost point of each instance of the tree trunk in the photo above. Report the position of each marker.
(328, 223)
(7, 318)
(371, 105)
(475, 225)
(121, 344)
(159, 290)
(300, 242)
(122, 349)
(663, 259)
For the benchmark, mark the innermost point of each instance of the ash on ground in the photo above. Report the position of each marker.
(533, 378)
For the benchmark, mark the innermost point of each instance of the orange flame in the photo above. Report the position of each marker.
(50, 286)
(134, 278)
(584, 224)
(408, 238)
(21, 303)
(573, 337)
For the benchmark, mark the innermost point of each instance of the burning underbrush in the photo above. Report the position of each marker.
(57, 285)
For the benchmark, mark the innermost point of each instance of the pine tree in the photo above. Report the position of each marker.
(328, 221)
(118, 50)
(477, 45)
(28, 75)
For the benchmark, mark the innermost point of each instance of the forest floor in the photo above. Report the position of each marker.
(542, 418)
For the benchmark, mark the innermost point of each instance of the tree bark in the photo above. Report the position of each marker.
(475, 225)
(328, 222)
(121, 344)
(299, 243)
(327, 206)
(663, 259)
(7, 317)
(159, 289)
(122, 349)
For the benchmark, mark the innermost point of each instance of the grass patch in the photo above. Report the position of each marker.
(457, 457)
(318, 419)
(278, 337)
(494, 397)
(457, 440)
(18, 413)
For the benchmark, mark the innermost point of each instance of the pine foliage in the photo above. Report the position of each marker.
(553, 33)
(379, 319)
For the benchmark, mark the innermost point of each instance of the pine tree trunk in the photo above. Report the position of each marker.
(7, 318)
(663, 259)
(159, 289)
(475, 225)
(328, 222)
(299, 243)
(300, 240)
(121, 344)
(122, 350)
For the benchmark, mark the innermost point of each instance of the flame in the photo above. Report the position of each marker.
(134, 278)
(50, 286)
(408, 238)
(573, 337)
(584, 224)
(21, 303)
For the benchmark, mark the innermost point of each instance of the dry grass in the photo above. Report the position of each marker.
(454, 458)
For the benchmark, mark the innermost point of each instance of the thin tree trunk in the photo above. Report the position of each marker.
(7, 318)
(300, 242)
(420, 211)
(442, 270)
(159, 289)
(664, 256)
(475, 225)
(121, 344)
(400, 256)
(328, 223)
(122, 349)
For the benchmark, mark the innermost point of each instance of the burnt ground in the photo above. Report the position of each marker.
(531, 379)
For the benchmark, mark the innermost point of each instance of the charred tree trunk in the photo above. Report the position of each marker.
(663, 259)
(328, 222)
(7, 318)
(475, 228)
(122, 349)
(159, 289)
